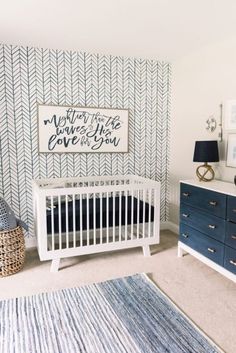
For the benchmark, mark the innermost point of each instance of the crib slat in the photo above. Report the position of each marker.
(132, 214)
(126, 214)
(52, 223)
(144, 213)
(156, 212)
(81, 220)
(107, 215)
(74, 224)
(149, 212)
(113, 214)
(67, 231)
(94, 219)
(138, 209)
(120, 209)
(87, 204)
(59, 220)
(101, 225)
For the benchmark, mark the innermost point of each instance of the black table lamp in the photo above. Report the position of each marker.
(206, 151)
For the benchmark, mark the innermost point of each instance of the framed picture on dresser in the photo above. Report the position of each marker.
(231, 151)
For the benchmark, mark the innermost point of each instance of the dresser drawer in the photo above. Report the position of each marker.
(203, 222)
(231, 208)
(230, 259)
(205, 245)
(210, 201)
(230, 236)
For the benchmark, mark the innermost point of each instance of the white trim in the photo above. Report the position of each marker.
(164, 225)
(183, 247)
(168, 225)
(30, 243)
(173, 227)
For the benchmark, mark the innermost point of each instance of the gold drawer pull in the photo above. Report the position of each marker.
(233, 237)
(184, 235)
(213, 203)
(233, 262)
(185, 215)
(211, 250)
(186, 194)
(211, 226)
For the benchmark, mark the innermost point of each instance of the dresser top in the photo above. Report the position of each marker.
(215, 185)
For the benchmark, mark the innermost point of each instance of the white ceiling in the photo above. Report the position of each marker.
(161, 29)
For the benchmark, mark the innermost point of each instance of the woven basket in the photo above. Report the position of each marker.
(12, 251)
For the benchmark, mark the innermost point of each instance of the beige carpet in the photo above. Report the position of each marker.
(207, 297)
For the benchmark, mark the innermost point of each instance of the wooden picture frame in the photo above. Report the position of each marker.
(76, 129)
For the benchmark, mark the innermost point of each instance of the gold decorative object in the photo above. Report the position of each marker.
(205, 172)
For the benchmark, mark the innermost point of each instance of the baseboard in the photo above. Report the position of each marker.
(174, 227)
(167, 225)
(30, 242)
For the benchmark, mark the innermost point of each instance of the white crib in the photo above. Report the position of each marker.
(77, 216)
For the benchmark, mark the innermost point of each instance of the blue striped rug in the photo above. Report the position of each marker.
(126, 315)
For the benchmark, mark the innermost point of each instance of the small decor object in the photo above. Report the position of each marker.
(8, 219)
(12, 251)
(231, 151)
(230, 114)
(206, 151)
(211, 124)
(64, 129)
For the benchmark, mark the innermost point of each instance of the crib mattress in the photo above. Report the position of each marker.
(102, 217)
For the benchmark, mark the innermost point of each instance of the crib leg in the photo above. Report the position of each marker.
(146, 250)
(55, 265)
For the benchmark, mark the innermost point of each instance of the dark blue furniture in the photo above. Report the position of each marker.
(208, 224)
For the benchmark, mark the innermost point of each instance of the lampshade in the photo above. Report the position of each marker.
(206, 151)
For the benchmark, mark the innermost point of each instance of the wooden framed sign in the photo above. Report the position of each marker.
(68, 129)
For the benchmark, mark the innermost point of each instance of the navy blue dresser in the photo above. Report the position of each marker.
(208, 224)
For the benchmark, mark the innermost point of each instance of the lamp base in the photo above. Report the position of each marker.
(205, 172)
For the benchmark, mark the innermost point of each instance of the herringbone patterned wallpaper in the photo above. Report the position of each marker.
(29, 76)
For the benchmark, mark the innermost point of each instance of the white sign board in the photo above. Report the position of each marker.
(64, 129)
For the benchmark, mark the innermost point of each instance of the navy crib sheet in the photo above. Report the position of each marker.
(143, 214)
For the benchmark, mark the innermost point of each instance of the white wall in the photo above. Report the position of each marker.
(201, 81)
(153, 29)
